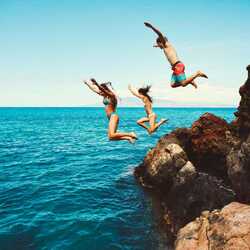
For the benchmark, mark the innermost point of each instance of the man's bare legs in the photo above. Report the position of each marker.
(116, 136)
(190, 80)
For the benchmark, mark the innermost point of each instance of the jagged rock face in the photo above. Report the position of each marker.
(166, 164)
(227, 229)
(205, 146)
(204, 167)
(203, 192)
(243, 114)
(185, 191)
(211, 141)
(238, 162)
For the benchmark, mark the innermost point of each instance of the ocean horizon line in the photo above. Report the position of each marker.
(120, 107)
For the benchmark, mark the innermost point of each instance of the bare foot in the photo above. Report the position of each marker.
(201, 74)
(148, 24)
(162, 121)
(150, 131)
(131, 140)
(133, 135)
(194, 84)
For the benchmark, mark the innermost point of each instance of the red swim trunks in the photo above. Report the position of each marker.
(178, 73)
(178, 68)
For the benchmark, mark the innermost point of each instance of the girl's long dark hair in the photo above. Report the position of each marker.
(113, 97)
(144, 91)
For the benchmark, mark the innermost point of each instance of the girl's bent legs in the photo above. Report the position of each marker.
(162, 121)
(141, 122)
(153, 125)
(152, 119)
(112, 131)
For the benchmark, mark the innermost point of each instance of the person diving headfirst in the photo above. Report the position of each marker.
(179, 78)
(110, 102)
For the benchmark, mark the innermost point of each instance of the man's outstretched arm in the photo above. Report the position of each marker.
(155, 30)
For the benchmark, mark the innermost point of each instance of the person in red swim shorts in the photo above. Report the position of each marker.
(179, 78)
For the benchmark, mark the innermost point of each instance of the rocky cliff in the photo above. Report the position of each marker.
(224, 229)
(204, 167)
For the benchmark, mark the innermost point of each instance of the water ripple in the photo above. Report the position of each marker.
(65, 186)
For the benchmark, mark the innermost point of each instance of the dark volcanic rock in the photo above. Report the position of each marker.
(206, 144)
(165, 164)
(204, 167)
(238, 162)
(211, 141)
(187, 201)
(227, 229)
(242, 122)
(185, 191)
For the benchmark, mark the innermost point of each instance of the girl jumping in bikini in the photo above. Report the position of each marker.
(142, 93)
(110, 102)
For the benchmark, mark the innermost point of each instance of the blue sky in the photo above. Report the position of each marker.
(48, 47)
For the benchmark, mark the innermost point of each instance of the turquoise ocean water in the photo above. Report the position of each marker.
(65, 186)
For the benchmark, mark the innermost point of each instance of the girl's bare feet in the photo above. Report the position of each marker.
(150, 131)
(133, 135)
(162, 121)
(131, 140)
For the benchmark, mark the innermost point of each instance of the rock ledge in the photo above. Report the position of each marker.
(201, 168)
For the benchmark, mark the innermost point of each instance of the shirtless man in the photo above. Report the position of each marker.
(178, 77)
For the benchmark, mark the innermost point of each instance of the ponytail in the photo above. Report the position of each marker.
(144, 91)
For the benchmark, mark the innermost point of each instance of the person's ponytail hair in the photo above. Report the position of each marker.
(105, 87)
(144, 91)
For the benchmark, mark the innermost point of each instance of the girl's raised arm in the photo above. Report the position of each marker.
(134, 91)
(92, 86)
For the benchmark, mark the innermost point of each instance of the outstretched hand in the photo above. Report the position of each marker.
(93, 80)
(160, 35)
(148, 25)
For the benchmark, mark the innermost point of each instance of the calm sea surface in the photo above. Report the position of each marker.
(63, 185)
